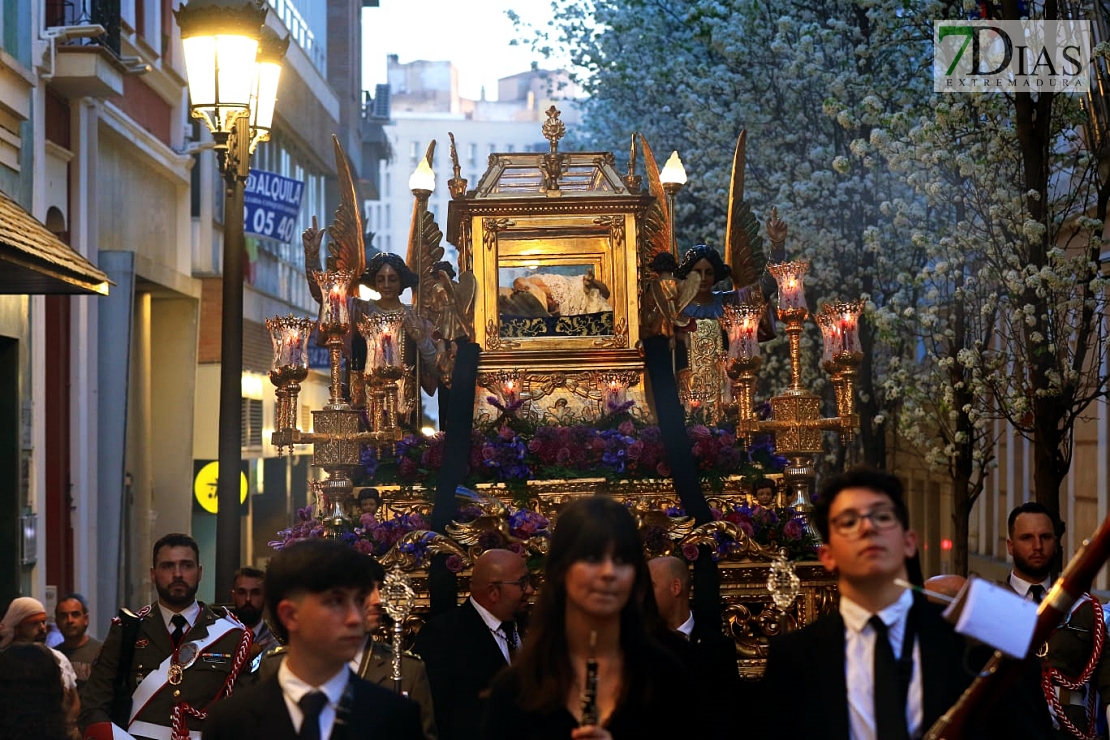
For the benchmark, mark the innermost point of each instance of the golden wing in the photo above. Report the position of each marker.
(345, 247)
(743, 244)
(687, 289)
(657, 220)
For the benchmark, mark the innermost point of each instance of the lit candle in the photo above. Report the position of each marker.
(615, 394)
(510, 391)
(292, 348)
(335, 298)
(387, 349)
(749, 346)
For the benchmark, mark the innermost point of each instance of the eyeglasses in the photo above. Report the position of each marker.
(522, 583)
(848, 523)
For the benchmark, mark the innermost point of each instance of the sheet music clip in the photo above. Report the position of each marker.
(994, 615)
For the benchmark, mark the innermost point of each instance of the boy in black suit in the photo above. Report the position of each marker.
(886, 664)
(315, 591)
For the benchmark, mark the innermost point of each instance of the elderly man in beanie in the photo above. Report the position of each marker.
(25, 624)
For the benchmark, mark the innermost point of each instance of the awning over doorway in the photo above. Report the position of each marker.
(34, 261)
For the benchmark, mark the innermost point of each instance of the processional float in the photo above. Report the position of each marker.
(556, 288)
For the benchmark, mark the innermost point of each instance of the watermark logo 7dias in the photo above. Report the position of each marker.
(1012, 56)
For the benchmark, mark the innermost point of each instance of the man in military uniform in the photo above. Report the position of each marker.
(1074, 663)
(247, 604)
(160, 669)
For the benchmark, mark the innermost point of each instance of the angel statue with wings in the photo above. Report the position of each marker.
(683, 292)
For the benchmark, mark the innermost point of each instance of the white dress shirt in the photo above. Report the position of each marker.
(190, 613)
(859, 662)
(1021, 586)
(687, 627)
(293, 689)
(494, 625)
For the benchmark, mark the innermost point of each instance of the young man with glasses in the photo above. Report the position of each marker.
(464, 648)
(885, 665)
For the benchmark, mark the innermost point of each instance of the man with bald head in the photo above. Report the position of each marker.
(464, 648)
(705, 651)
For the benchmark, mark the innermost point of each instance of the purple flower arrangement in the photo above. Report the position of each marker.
(513, 451)
(777, 528)
(377, 538)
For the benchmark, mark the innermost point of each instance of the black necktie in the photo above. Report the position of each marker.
(1037, 592)
(890, 700)
(510, 637)
(179, 624)
(312, 704)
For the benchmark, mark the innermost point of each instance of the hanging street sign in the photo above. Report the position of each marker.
(272, 204)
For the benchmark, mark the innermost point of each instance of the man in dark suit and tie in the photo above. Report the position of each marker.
(315, 591)
(707, 654)
(1071, 650)
(464, 648)
(886, 665)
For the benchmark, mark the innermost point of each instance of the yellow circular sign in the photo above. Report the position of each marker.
(204, 487)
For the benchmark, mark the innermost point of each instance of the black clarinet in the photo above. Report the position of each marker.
(589, 692)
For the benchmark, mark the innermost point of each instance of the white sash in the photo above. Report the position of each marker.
(158, 732)
(157, 679)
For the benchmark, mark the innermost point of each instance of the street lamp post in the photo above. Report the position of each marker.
(233, 66)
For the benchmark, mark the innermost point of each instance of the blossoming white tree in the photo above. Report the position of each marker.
(963, 219)
(809, 81)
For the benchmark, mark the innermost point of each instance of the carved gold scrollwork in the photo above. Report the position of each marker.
(464, 245)
(539, 385)
(490, 228)
(616, 230)
(493, 337)
(751, 631)
(405, 553)
(619, 340)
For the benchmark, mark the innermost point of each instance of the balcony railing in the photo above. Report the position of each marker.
(300, 32)
(73, 13)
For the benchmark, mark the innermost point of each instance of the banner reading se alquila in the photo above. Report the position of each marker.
(272, 204)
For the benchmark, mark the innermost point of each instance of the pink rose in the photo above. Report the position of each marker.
(690, 552)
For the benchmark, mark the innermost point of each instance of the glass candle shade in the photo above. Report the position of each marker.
(741, 325)
(843, 320)
(335, 315)
(289, 335)
(788, 275)
(384, 334)
(830, 334)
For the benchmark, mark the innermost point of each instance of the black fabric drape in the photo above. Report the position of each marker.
(457, 427)
(687, 485)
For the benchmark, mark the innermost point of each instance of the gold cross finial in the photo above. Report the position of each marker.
(553, 128)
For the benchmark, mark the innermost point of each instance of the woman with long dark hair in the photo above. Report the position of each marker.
(588, 668)
(32, 698)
